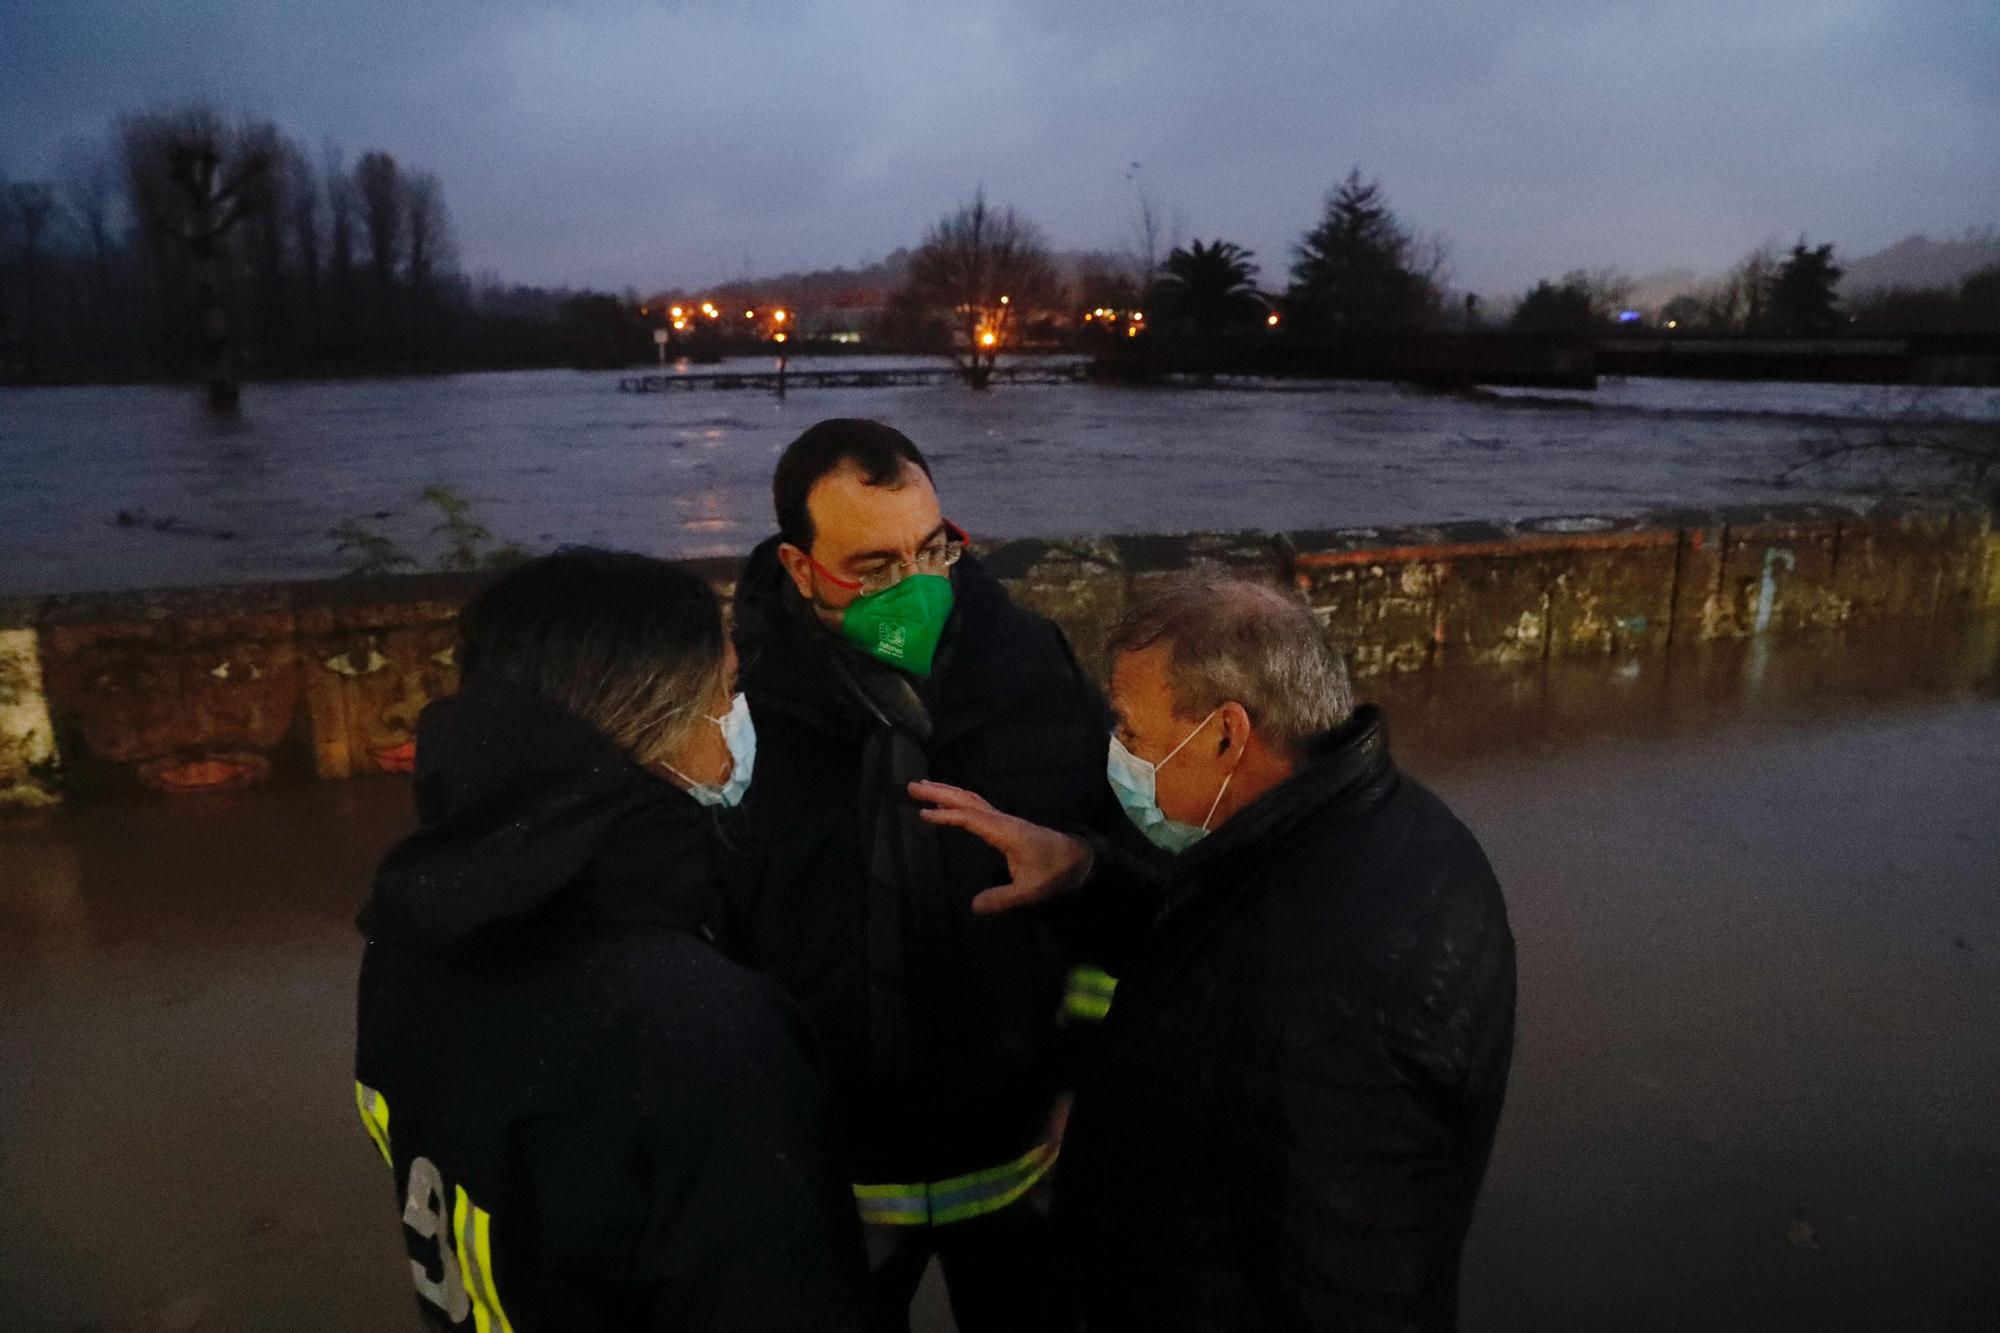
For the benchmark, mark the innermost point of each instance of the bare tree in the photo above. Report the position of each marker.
(1742, 300)
(191, 178)
(268, 228)
(306, 206)
(341, 207)
(1154, 234)
(379, 187)
(90, 188)
(33, 206)
(428, 227)
(986, 271)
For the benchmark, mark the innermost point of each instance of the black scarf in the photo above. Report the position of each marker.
(909, 938)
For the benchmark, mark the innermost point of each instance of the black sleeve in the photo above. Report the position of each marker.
(1112, 913)
(752, 1222)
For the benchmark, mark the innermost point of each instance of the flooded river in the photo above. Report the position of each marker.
(1756, 1082)
(550, 457)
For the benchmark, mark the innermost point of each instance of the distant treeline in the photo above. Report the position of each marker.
(184, 244)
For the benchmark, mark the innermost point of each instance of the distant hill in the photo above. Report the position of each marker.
(1915, 262)
(1918, 261)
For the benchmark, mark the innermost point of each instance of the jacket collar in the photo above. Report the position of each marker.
(785, 652)
(1346, 772)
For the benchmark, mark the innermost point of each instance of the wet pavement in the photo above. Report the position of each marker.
(1756, 890)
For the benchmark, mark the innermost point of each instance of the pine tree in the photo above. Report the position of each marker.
(1801, 298)
(1356, 271)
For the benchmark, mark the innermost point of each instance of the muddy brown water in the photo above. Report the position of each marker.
(1756, 890)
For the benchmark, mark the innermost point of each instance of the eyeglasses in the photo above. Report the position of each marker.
(936, 557)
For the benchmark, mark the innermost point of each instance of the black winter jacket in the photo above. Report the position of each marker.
(941, 1027)
(1302, 1069)
(595, 1121)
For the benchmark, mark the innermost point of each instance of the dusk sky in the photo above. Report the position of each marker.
(644, 143)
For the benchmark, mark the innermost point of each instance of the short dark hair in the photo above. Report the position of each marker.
(630, 644)
(880, 452)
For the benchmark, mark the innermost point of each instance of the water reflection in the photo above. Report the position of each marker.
(1449, 716)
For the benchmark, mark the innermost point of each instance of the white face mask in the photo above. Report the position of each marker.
(740, 735)
(1135, 781)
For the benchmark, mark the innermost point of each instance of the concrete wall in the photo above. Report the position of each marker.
(195, 689)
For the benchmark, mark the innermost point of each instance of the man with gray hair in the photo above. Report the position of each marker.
(1303, 1064)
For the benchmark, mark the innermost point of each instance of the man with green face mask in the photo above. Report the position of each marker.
(876, 651)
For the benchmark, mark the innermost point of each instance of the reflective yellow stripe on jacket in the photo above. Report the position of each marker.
(1087, 997)
(374, 1109)
(972, 1195)
(473, 1226)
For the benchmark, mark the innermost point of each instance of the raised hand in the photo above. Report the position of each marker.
(1041, 861)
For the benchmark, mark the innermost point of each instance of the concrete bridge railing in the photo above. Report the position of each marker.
(194, 689)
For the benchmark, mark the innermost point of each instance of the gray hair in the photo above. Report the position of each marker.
(632, 645)
(1230, 639)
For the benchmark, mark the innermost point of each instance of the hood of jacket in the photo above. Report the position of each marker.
(527, 814)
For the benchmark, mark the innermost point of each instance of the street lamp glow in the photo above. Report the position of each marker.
(778, 315)
(677, 312)
(781, 337)
(1004, 300)
(749, 314)
(1271, 319)
(987, 339)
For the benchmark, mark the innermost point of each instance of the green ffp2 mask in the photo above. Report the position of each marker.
(901, 625)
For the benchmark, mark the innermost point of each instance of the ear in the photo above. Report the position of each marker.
(798, 566)
(1237, 729)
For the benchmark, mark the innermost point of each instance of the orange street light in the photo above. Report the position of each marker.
(677, 312)
(680, 323)
(749, 314)
(1131, 330)
(1271, 319)
(781, 337)
(778, 315)
(1005, 299)
(987, 339)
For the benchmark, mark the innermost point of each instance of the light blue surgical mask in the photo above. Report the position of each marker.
(739, 733)
(1135, 782)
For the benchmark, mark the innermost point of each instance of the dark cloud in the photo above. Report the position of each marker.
(619, 143)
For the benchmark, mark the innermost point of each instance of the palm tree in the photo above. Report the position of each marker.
(1212, 287)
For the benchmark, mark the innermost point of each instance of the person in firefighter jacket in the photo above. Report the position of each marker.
(594, 1119)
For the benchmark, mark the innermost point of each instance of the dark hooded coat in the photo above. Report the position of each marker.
(595, 1120)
